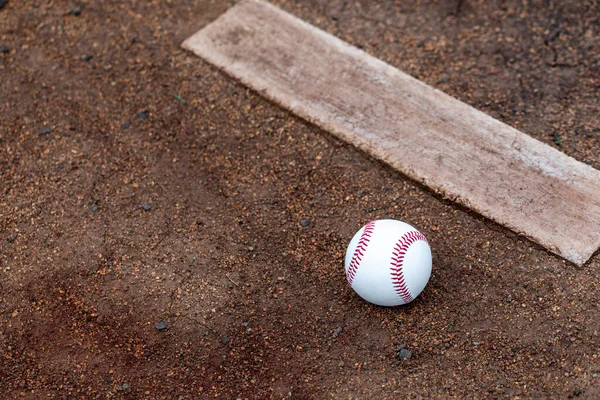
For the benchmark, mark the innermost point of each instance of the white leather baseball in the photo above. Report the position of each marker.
(388, 262)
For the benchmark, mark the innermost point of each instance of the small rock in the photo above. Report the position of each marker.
(161, 326)
(305, 222)
(577, 393)
(404, 354)
(509, 299)
(143, 115)
(11, 238)
(45, 131)
(76, 11)
(361, 192)
(445, 79)
(337, 332)
(126, 386)
(94, 208)
(476, 343)
(125, 125)
(245, 323)
(3, 3)
(420, 43)
(400, 347)
(87, 58)
(224, 340)
(372, 209)
(4, 50)
(146, 206)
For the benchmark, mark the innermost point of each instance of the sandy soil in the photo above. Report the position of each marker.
(152, 212)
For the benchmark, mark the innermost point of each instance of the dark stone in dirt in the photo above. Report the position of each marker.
(3, 3)
(372, 209)
(404, 354)
(143, 115)
(161, 326)
(445, 79)
(146, 206)
(87, 58)
(305, 222)
(94, 208)
(4, 50)
(125, 125)
(45, 131)
(224, 340)
(337, 332)
(76, 11)
(11, 238)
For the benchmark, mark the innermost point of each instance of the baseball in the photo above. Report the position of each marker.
(388, 262)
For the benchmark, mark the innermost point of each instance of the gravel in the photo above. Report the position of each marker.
(146, 206)
(337, 332)
(404, 354)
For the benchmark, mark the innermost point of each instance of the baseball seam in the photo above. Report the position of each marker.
(397, 262)
(359, 251)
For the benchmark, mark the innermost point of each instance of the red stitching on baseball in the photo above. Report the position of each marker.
(398, 261)
(360, 250)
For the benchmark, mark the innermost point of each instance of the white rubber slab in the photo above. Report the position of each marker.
(454, 149)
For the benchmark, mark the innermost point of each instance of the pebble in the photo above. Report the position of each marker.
(224, 340)
(509, 299)
(87, 58)
(94, 208)
(126, 386)
(125, 125)
(305, 222)
(45, 131)
(445, 79)
(4, 50)
(146, 206)
(11, 238)
(76, 11)
(404, 354)
(143, 115)
(161, 326)
(337, 332)
(3, 3)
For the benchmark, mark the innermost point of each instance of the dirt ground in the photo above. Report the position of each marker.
(166, 233)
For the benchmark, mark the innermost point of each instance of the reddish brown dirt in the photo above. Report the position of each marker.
(111, 224)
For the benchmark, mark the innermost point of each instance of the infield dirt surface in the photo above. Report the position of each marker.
(166, 233)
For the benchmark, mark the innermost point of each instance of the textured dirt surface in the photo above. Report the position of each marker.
(151, 248)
